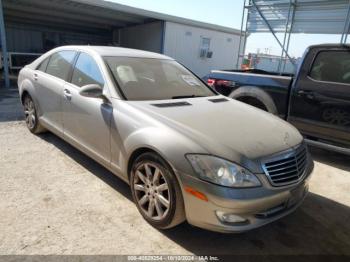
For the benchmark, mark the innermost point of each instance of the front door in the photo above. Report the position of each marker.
(49, 79)
(320, 103)
(86, 121)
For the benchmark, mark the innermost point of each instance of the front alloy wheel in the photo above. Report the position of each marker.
(156, 191)
(152, 191)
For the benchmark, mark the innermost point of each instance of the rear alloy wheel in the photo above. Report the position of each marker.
(30, 115)
(156, 192)
(336, 116)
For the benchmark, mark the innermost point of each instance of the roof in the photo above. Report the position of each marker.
(310, 16)
(89, 16)
(330, 45)
(114, 51)
(160, 16)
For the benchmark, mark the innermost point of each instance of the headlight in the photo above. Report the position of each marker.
(222, 172)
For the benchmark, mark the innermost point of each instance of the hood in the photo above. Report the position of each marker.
(225, 127)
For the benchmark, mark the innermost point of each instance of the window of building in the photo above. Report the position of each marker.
(204, 49)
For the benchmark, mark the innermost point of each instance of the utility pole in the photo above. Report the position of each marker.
(4, 47)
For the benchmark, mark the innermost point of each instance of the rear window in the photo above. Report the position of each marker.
(43, 65)
(155, 79)
(60, 64)
(332, 66)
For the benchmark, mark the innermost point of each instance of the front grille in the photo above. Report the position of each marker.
(286, 168)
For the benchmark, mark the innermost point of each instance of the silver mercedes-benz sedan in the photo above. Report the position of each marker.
(187, 152)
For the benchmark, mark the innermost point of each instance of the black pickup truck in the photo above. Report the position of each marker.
(316, 99)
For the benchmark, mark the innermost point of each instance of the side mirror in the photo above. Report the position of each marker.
(92, 90)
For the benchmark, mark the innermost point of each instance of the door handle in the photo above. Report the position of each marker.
(308, 94)
(67, 94)
(35, 76)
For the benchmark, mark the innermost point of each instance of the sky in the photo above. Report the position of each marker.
(229, 13)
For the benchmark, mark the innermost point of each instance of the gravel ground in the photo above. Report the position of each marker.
(55, 200)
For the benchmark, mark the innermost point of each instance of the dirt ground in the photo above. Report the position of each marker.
(55, 200)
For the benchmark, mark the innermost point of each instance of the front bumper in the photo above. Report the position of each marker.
(259, 206)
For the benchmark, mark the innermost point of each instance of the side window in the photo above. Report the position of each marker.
(86, 71)
(43, 65)
(60, 64)
(204, 49)
(332, 66)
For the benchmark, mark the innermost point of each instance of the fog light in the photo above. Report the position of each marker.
(229, 218)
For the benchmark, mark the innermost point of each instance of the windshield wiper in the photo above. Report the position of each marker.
(188, 96)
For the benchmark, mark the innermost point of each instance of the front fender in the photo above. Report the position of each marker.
(170, 145)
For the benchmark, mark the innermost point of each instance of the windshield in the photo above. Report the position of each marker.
(155, 79)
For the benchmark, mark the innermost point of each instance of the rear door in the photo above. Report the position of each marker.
(86, 120)
(49, 79)
(320, 102)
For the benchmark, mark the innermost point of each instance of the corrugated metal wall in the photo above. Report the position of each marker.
(146, 37)
(24, 40)
(311, 16)
(37, 39)
(182, 42)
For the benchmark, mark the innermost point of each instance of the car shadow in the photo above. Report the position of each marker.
(331, 158)
(88, 163)
(319, 227)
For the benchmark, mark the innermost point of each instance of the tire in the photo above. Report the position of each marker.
(156, 191)
(253, 102)
(256, 97)
(31, 117)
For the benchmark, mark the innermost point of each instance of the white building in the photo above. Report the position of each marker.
(38, 25)
(201, 49)
(193, 44)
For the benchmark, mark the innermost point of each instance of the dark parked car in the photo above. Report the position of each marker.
(316, 100)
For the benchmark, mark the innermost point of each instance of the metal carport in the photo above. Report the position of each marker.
(295, 16)
(64, 22)
(43, 24)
